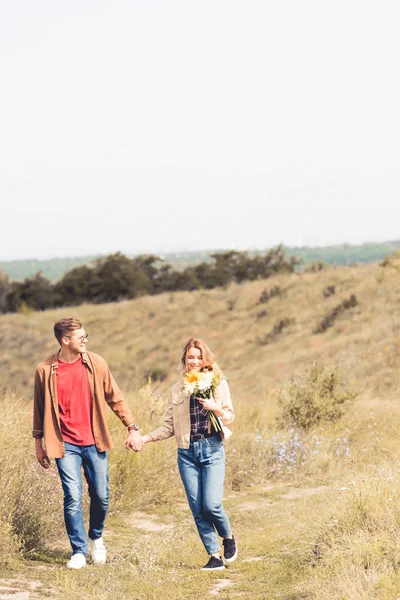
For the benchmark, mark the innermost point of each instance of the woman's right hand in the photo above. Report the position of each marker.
(134, 441)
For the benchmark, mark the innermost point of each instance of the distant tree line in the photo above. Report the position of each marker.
(344, 254)
(117, 277)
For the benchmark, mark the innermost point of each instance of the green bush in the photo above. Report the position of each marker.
(318, 396)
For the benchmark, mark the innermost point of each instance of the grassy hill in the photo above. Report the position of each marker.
(342, 254)
(316, 509)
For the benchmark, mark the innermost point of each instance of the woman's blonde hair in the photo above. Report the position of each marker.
(206, 354)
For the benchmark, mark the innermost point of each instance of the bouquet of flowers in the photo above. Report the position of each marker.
(202, 384)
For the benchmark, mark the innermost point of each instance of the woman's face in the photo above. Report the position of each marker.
(194, 359)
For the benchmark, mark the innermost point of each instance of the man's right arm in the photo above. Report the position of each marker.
(41, 454)
(38, 406)
(38, 414)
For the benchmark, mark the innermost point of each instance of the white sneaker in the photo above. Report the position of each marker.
(97, 551)
(77, 561)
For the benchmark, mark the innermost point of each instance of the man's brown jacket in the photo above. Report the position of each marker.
(103, 389)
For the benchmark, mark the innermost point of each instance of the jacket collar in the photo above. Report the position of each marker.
(84, 357)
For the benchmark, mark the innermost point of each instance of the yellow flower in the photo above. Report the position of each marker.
(192, 377)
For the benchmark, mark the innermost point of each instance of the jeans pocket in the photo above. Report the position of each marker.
(183, 452)
(214, 442)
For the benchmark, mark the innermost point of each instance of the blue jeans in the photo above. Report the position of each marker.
(95, 468)
(202, 469)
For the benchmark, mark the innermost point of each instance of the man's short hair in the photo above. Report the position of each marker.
(66, 325)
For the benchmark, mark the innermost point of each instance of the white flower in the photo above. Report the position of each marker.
(204, 384)
(189, 387)
(199, 381)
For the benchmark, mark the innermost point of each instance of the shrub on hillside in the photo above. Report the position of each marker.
(5, 290)
(76, 286)
(230, 304)
(315, 266)
(261, 314)
(276, 331)
(329, 291)
(385, 262)
(109, 279)
(332, 315)
(316, 397)
(36, 293)
(268, 294)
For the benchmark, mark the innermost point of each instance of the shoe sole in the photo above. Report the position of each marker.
(234, 557)
(99, 562)
(213, 569)
(73, 567)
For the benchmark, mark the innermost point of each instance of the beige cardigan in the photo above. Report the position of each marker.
(177, 418)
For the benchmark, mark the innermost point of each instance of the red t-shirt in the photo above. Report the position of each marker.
(75, 403)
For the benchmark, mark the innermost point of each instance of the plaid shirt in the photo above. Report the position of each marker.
(198, 418)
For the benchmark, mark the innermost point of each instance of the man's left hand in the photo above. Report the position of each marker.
(134, 441)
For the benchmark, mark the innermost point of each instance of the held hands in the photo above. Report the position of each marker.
(134, 441)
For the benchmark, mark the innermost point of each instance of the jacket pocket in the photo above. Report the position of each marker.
(178, 399)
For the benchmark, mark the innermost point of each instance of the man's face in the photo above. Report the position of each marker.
(76, 341)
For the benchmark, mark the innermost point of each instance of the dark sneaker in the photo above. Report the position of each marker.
(214, 564)
(230, 549)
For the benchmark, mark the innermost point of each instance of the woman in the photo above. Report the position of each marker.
(201, 456)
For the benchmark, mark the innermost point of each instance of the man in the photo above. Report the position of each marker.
(71, 391)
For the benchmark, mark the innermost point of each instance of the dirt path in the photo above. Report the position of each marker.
(18, 589)
(145, 544)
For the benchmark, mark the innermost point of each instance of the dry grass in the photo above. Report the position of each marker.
(339, 553)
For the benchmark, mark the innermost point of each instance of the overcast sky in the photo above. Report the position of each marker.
(180, 125)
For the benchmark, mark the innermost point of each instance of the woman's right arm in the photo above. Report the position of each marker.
(166, 430)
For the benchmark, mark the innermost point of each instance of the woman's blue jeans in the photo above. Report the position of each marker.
(202, 469)
(95, 468)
